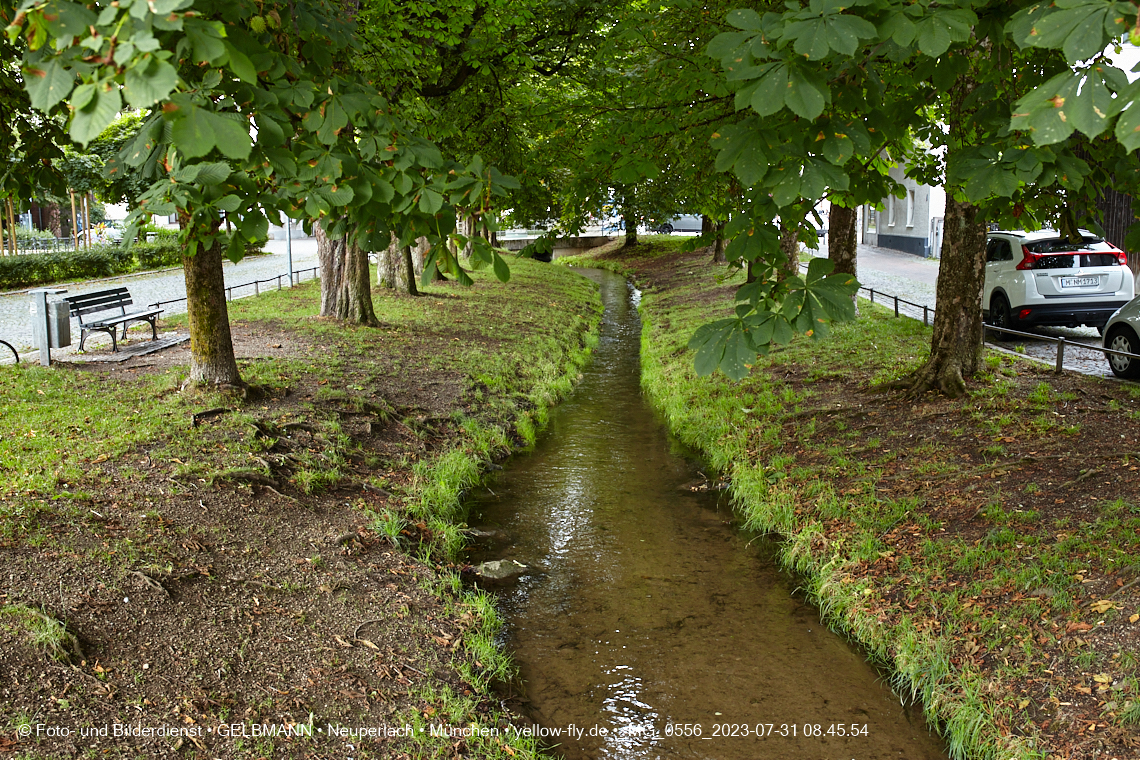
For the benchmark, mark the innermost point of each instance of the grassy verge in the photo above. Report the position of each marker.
(326, 506)
(984, 550)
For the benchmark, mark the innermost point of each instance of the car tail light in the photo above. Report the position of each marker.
(1027, 259)
(1024, 313)
(1121, 256)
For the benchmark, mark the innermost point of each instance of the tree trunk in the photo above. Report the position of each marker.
(410, 272)
(790, 247)
(211, 346)
(956, 347)
(841, 239)
(630, 223)
(354, 290)
(389, 265)
(332, 259)
(53, 220)
(718, 243)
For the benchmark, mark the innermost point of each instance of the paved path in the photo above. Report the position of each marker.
(151, 287)
(914, 278)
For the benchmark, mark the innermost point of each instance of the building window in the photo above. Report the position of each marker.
(871, 216)
(890, 211)
(910, 208)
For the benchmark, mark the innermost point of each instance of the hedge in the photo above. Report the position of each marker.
(30, 269)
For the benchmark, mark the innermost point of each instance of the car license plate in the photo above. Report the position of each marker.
(1079, 282)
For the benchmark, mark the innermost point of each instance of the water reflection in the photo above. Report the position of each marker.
(647, 612)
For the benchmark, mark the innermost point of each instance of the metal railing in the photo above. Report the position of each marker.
(1059, 365)
(1061, 343)
(256, 285)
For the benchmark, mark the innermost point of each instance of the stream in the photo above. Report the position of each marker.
(647, 624)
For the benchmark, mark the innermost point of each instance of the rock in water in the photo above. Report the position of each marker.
(500, 569)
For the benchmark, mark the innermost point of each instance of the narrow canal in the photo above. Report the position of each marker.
(647, 621)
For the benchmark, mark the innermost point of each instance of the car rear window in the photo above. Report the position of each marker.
(1060, 245)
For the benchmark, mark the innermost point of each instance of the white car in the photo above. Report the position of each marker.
(1121, 334)
(1040, 278)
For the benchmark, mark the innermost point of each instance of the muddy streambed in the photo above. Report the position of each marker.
(646, 624)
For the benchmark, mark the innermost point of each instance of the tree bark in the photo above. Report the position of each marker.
(389, 264)
(629, 219)
(956, 346)
(53, 220)
(841, 240)
(212, 359)
(331, 257)
(354, 290)
(718, 243)
(410, 272)
(790, 247)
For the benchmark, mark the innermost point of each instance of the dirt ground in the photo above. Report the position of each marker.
(232, 613)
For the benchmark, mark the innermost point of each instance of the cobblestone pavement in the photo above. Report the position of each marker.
(152, 287)
(890, 273)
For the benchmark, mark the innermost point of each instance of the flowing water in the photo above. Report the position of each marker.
(648, 626)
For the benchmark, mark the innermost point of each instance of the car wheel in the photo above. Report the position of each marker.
(1000, 316)
(1122, 338)
(666, 229)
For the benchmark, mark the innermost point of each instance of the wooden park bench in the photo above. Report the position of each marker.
(91, 311)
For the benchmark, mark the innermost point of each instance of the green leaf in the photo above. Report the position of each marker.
(228, 203)
(771, 89)
(213, 173)
(335, 120)
(269, 132)
(1128, 127)
(502, 271)
(100, 111)
(66, 19)
(746, 19)
(430, 201)
(933, 37)
(838, 149)
(708, 342)
(231, 134)
(240, 64)
(898, 27)
(205, 41)
(1043, 111)
(1088, 110)
(192, 132)
(806, 98)
(48, 84)
(149, 81)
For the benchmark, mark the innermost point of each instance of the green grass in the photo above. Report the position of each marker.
(739, 428)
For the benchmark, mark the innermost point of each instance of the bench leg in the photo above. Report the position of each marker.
(114, 343)
(82, 337)
(153, 328)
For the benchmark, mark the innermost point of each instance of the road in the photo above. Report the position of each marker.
(151, 287)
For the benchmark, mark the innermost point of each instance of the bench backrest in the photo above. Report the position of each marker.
(103, 300)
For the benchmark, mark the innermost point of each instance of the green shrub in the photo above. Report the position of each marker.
(163, 252)
(55, 266)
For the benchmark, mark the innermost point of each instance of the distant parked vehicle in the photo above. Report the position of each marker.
(1040, 278)
(1121, 334)
(682, 223)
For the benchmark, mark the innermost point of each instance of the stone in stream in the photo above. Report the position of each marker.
(500, 569)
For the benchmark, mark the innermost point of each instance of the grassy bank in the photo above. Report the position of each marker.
(285, 558)
(984, 550)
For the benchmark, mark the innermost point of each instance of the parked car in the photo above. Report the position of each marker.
(1122, 333)
(681, 223)
(1040, 278)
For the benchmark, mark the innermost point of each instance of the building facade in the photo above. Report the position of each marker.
(911, 224)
